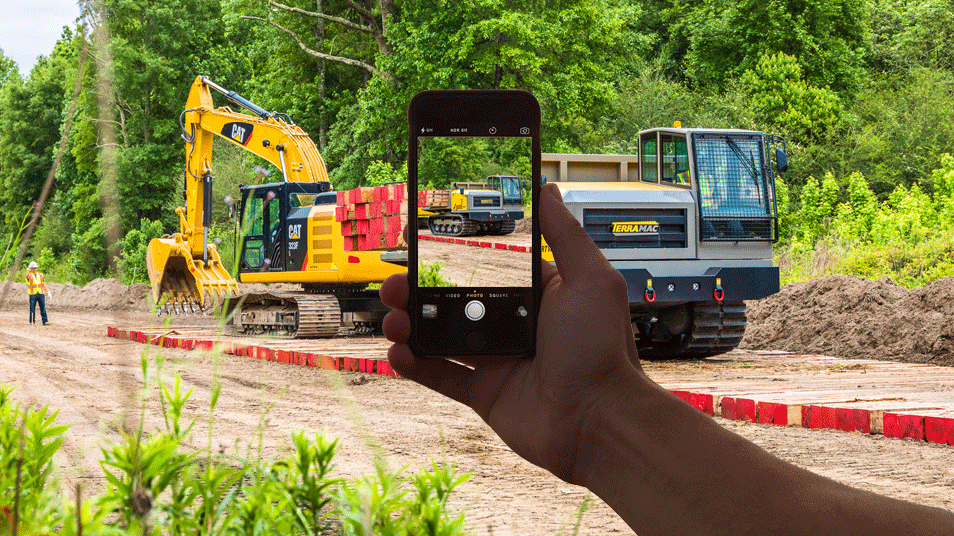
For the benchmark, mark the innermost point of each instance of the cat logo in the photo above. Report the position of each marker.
(238, 132)
(294, 231)
(626, 228)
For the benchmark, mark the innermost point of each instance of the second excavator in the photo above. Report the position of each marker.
(289, 232)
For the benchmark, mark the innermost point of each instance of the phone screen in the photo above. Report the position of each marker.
(474, 278)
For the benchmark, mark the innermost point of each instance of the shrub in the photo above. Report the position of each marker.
(429, 275)
(156, 485)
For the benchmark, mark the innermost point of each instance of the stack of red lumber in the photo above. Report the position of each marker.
(433, 198)
(373, 217)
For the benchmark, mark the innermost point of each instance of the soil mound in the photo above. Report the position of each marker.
(105, 294)
(849, 316)
(524, 226)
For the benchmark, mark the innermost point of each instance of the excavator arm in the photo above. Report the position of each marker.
(185, 269)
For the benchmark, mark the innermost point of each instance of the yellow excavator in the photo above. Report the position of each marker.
(289, 233)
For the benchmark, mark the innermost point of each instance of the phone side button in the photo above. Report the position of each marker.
(475, 310)
(475, 341)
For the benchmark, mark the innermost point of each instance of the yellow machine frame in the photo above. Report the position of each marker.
(185, 269)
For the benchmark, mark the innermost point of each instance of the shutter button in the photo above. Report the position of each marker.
(474, 310)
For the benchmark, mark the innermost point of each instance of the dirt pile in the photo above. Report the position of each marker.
(104, 294)
(848, 316)
(524, 226)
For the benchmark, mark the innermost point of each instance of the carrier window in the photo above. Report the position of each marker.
(648, 148)
(675, 159)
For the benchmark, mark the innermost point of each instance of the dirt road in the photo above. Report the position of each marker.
(95, 382)
(477, 266)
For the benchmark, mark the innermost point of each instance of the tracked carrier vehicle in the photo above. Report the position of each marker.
(689, 222)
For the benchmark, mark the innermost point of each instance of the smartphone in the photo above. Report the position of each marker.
(474, 255)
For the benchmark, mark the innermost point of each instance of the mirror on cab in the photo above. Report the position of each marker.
(781, 160)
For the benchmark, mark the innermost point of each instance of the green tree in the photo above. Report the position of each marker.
(817, 207)
(855, 218)
(828, 37)
(783, 99)
(31, 112)
(564, 53)
(157, 47)
(906, 35)
(7, 68)
(895, 131)
(132, 266)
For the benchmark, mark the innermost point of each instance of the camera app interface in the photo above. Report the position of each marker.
(474, 227)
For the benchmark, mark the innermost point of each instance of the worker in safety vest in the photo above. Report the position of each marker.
(38, 291)
(707, 190)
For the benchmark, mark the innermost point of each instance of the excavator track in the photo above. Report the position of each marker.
(715, 328)
(452, 225)
(297, 314)
(505, 228)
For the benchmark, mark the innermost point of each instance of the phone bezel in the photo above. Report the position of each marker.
(434, 113)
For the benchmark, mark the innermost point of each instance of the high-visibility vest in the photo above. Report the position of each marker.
(35, 283)
(707, 190)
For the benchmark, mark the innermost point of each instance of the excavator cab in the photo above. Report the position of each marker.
(273, 224)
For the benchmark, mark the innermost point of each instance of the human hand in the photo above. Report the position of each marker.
(586, 354)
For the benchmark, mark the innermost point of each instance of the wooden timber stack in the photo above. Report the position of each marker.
(373, 217)
(433, 199)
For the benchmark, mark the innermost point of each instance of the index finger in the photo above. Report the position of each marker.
(573, 250)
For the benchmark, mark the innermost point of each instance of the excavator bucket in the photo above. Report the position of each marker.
(184, 282)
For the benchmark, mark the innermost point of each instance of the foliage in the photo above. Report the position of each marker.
(380, 173)
(7, 68)
(158, 483)
(429, 275)
(28, 440)
(907, 237)
(31, 112)
(368, 505)
(728, 37)
(782, 99)
(132, 265)
(12, 245)
(907, 35)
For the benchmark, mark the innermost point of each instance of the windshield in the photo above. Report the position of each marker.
(510, 187)
(731, 174)
(735, 188)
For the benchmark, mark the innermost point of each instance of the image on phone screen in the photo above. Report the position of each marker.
(475, 191)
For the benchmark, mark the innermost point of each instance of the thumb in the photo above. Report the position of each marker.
(575, 253)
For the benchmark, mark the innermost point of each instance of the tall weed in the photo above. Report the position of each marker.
(157, 485)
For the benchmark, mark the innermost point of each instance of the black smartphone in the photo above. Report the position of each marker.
(474, 254)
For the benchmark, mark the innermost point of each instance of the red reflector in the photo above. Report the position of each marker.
(354, 260)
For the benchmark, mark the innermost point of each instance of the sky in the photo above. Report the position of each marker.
(30, 28)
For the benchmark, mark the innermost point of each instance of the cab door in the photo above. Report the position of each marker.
(263, 220)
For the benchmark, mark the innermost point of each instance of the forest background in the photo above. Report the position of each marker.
(861, 90)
